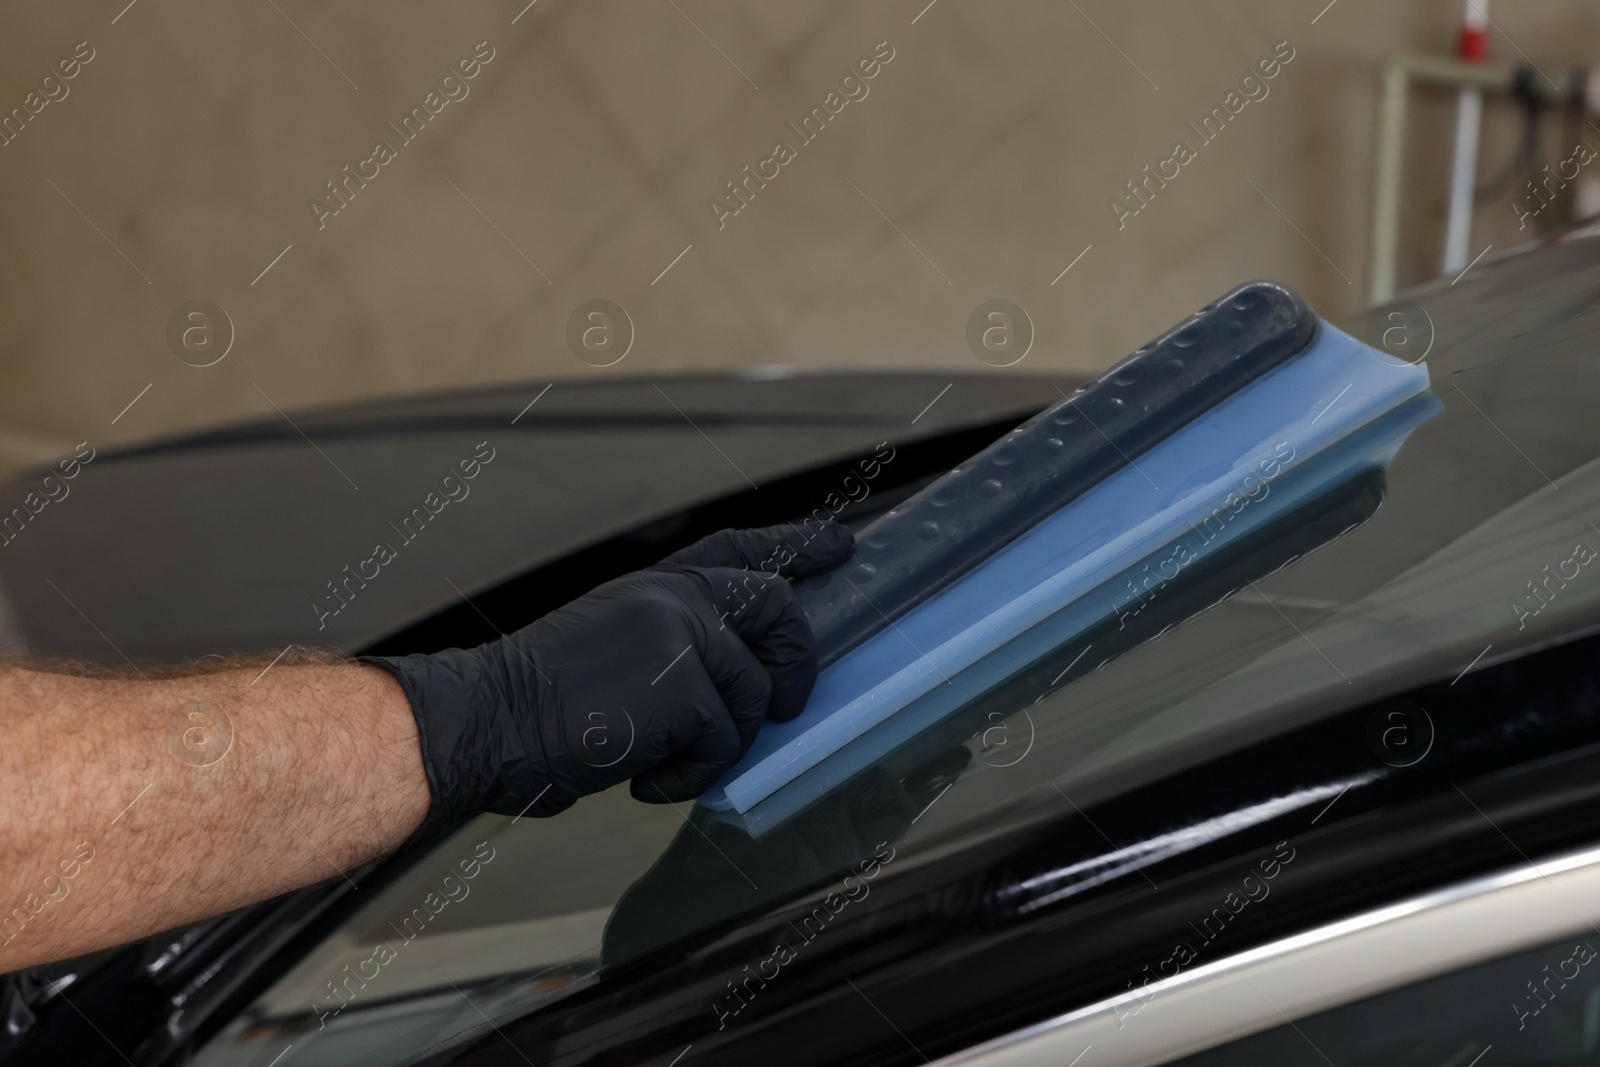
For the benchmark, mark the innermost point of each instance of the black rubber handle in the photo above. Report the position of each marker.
(951, 526)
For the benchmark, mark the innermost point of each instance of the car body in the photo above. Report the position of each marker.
(1347, 781)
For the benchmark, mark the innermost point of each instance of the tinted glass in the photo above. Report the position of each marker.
(1476, 543)
(500, 918)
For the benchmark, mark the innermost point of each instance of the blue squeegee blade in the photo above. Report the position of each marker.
(1370, 447)
(1270, 443)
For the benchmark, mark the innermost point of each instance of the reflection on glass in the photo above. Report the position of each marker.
(499, 919)
(924, 749)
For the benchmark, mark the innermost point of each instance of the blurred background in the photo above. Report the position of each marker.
(582, 161)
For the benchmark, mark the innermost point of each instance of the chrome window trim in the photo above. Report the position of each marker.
(1419, 938)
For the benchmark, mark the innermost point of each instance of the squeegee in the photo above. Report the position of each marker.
(1079, 521)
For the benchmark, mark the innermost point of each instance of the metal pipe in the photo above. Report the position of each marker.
(1400, 74)
(1471, 47)
(1389, 172)
(1463, 179)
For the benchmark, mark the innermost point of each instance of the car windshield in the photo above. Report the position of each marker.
(1476, 543)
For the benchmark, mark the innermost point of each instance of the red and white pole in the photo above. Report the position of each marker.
(1472, 46)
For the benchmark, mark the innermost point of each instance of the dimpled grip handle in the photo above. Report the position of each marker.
(952, 525)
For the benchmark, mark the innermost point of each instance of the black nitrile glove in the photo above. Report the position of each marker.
(662, 676)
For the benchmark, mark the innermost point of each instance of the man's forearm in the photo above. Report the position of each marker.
(130, 806)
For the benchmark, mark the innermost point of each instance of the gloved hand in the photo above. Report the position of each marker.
(662, 676)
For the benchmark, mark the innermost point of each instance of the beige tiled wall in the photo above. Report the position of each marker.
(979, 165)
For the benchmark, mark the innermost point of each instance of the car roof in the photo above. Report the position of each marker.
(245, 538)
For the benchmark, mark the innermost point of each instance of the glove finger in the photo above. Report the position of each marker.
(741, 679)
(788, 551)
(702, 740)
(769, 622)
